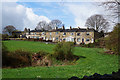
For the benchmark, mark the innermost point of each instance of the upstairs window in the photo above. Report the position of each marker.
(64, 33)
(31, 33)
(72, 33)
(43, 33)
(87, 39)
(87, 33)
(78, 34)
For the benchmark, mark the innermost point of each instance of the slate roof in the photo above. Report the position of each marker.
(66, 30)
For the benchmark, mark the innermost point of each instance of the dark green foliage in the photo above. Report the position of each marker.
(112, 41)
(4, 55)
(90, 45)
(5, 36)
(42, 53)
(9, 29)
(18, 58)
(64, 50)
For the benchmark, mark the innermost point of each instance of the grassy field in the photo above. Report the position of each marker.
(93, 60)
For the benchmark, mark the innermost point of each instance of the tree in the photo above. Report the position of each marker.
(55, 23)
(97, 22)
(112, 41)
(43, 25)
(113, 6)
(64, 50)
(9, 29)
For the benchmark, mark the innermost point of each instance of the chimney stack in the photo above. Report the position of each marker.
(29, 30)
(70, 27)
(63, 27)
(87, 28)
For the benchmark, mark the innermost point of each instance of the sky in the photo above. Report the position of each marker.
(26, 14)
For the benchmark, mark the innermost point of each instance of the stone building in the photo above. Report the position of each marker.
(77, 35)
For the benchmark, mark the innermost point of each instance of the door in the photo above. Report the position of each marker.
(82, 40)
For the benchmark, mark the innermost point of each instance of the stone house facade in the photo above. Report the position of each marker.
(77, 35)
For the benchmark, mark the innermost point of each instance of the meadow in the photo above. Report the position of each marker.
(92, 60)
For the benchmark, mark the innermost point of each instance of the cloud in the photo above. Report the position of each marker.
(82, 11)
(20, 16)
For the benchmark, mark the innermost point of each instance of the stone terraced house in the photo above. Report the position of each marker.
(77, 35)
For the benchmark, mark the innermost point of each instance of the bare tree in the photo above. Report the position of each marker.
(43, 25)
(97, 22)
(9, 29)
(55, 23)
(113, 6)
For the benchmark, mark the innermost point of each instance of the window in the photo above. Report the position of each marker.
(64, 33)
(72, 33)
(50, 33)
(56, 38)
(31, 33)
(87, 33)
(72, 39)
(92, 40)
(34, 37)
(87, 40)
(50, 38)
(56, 33)
(63, 38)
(78, 39)
(43, 33)
(78, 34)
(35, 33)
(31, 36)
(46, 38)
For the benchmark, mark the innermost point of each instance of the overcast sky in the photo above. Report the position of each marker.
(28, 14)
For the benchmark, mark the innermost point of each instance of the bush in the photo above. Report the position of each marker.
(4, 55)
(41, 58)
(18, 58)
(64, 51)
(5, 36)
(112, 41)
(90, 45)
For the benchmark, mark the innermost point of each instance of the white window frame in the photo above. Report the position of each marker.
(78, 39)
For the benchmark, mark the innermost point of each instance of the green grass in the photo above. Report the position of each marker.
(28, 45)
(93, 60)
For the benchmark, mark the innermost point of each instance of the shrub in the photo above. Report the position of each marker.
(5, 36)
(4, 55)
(90, 45)
(64, 50)
(18, 58)
(41, 58)
(112, 41)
